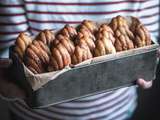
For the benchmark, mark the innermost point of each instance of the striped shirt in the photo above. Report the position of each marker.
(35, 15)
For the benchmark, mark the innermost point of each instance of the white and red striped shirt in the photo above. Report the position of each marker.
(35, 15)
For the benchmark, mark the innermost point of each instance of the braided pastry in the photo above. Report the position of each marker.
(85, 35)
(69, 32)
(46, 36)
(36, 57)
(124, 37)
(51, 53)
(66, 42)
(81, 53)
(59, 58)
(21, 44)
(90, 25)
(142, 36)
(105, 41)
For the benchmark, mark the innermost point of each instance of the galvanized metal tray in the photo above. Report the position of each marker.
(116, 71)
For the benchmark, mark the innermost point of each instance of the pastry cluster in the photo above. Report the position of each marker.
(50, 51)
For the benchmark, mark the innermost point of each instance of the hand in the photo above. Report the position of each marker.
(147, 84)
(144, 84)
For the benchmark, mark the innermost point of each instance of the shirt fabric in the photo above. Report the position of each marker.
(35, 15)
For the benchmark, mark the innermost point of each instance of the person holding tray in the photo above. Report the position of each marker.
(33, 16)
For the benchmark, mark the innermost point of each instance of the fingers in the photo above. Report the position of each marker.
(144, 84)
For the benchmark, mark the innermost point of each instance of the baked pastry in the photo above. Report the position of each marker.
(85, 35)
(23, 40)
(81, 53)
(142, 36)
(123, 36)
(37, 57)
(105, 41)
(90, 25)
(69, 32)
(72, 46)
(41, 45)
(46, 36)
(66, 42)
(59, 58)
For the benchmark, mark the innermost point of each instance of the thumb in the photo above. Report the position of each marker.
(144, 84)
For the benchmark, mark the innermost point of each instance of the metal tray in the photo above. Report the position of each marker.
(119, 70)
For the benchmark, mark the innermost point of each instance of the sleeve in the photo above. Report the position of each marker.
(12, 21)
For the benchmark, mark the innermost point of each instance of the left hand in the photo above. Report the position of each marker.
(147, 84)
(144, 84)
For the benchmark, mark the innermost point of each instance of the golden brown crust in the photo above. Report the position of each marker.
(87, 37)
(60, 58)
(31, 59)
(41, 45)
(65, 55)
(123, 36)
(85, 32)
(32, 65)
(23, 40)
(86, 49)
(81, 53)
(53, 65)
(105, 41)
(89, 42)
(21, 44)
(78, 54)
(62, 48)
(142, 36)
(106, 32)
(69, 32)
(32, 55)
(36, 54)
(67, 43)
(74, 59)
(46, 36)
(55, 42)
(35, 50)
(43, 55)
(90, 25)
(50, 53)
